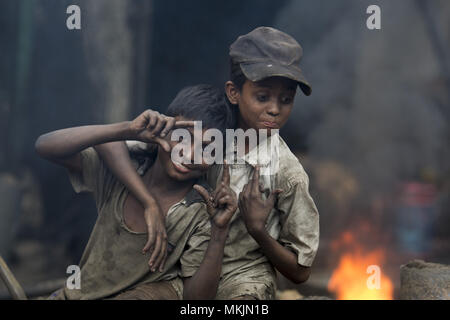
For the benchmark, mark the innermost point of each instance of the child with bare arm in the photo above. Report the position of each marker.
(277, 223)
(112, 265)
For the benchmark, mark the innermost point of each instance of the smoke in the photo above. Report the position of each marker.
(376, 107)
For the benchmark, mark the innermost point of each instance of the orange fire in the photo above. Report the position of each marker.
(358, 275)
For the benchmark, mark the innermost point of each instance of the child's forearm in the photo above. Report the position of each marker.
(116, 157)
(204, 283)
(284, 260)
(65, 143)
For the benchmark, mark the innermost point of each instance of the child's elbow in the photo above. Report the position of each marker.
(299, 279)
(301, 276)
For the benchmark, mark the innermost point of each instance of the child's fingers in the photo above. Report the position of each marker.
(184, 124)
(226, 173)
(226, 199)
(229, 203)
(273, 197)
(206, 196)
(222, 192)
(245, 190)
(146, 136)
(203, 192)
(160, 123)
(212, 196)
(155, 253)
(163, 143)
(153, 118)
(240, 202)
(150, 239)
(147, 114)
(255, 180)
(157, 264)
(147, 247)
(169, 125)
(163, 262)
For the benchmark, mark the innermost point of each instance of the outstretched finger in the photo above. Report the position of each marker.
(255, 181)
(184, 124)
(170, 122)
(226, 173)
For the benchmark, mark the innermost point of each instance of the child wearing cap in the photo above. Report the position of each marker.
(277, 224)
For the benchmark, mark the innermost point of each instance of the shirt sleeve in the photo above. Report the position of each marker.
(138, 148)
(92, 177)
(299, 219)
(86, 179)
(196, 247)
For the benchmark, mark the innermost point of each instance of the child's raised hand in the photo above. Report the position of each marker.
(152, 127)
(253, 208)
(222, 203)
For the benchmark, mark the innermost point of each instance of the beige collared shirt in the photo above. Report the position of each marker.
(294, 222)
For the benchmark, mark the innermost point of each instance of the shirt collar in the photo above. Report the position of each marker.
(262, 154)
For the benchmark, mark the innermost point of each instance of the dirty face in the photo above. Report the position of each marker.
(265, 104)
(186, 170)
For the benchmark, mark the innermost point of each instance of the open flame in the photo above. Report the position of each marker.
(358, 275)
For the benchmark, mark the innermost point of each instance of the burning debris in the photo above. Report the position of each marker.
(359, 275)
(352, 278)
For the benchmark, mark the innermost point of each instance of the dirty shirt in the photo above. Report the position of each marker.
(112, 261)
(294, 222)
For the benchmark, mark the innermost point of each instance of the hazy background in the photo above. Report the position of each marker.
(374, 135)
